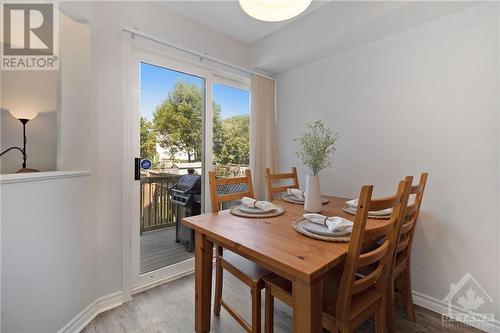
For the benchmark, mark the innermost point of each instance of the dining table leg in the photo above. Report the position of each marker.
(203, 282)
(307, 306)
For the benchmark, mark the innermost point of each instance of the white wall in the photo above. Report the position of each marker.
(76, 136)
(31, 90)
(49, 251)
(110, 49)
(424, 99)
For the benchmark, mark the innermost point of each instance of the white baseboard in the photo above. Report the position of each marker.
(90, 312)
(440, 307)
(116, 299)
(113, 300)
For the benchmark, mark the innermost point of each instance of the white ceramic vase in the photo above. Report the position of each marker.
(313, 202)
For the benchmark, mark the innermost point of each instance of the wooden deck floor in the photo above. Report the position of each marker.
(169, 308)
(159, 249)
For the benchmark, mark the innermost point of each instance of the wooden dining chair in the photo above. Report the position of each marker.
(272, 177)
(245, 270)
(400, 276)
(356, 298)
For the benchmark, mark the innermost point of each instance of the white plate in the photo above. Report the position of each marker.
(255, 210)
(384, 212)
(322, 230)
(293, 198)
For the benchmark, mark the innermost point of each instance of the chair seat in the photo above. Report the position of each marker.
(360, 301)
(279, 282)
(244, 266)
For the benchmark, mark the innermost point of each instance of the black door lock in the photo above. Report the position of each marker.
(137, 168)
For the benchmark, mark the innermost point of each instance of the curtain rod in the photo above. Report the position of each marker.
(135, 31)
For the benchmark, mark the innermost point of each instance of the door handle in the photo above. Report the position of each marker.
(137, 168)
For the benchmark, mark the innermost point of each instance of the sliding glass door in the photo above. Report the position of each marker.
(172, 109)
(186, 120)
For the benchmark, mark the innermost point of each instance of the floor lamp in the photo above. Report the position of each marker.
(23, 117)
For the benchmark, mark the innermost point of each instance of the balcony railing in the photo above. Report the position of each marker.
(157, 210)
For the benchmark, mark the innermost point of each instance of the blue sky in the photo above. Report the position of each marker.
(157, 82)
(233, 101)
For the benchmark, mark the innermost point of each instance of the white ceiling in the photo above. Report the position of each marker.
(227, 18)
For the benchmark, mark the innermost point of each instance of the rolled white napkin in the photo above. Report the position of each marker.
(265, 205)
(299, 194)
(353, 204)
(334, 223)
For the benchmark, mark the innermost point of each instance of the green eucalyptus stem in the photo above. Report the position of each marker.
(317, 146)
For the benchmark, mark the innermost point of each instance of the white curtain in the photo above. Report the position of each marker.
(263, 151)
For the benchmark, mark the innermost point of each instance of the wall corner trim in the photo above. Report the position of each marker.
(100, 305)
(38, 176)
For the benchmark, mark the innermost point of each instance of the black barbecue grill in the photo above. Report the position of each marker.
(186, 198)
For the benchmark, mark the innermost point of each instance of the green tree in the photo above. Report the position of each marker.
(236, 140)
(178, 121)
(148, 140)
(218, 133)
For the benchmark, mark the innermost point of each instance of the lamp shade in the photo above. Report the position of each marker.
(274, 10)
(23, 114)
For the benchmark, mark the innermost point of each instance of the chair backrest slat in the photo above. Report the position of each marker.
(411, 215)
(381, 257)
(385, 203)
(272, 177)
(407, 227)
(368, 281)
(216, 183)
(402, 245)
(371, 257)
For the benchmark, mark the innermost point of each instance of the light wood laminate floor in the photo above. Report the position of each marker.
(169, 308)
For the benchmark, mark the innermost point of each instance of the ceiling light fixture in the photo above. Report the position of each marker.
(274, 10)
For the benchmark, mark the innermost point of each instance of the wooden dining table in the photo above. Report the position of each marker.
(274, 244)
